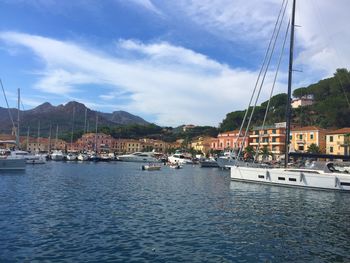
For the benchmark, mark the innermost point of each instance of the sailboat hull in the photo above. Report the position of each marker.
(12, 164)
(292, 177)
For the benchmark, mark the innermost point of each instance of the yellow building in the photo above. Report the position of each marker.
(338, 142)
(303, 137)
(202, 144)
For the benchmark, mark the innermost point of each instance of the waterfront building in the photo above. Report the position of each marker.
(91, 141)
(302, 137)
(202, 144)
(7, 141)
(338, 142)
(32, 144)
(270, 136)
(227, 141)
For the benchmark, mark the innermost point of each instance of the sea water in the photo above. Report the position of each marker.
(98, 212)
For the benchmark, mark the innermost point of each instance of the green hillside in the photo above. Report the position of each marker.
(331, 108)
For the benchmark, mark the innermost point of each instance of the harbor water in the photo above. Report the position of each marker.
(97, 212)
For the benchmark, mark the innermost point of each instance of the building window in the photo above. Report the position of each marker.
(300, 136)
(291, 137)
(256, 132)
(274, 131)
(257, 139)
(265, 131)
(331, 149)
(273, 139)
(311, 136)
(331, 139)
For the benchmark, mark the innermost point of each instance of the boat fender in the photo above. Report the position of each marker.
(142, 167)
(301, 177)
(336, 182)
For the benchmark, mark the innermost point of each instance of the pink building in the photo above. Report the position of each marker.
(229, 140)
(88, 141)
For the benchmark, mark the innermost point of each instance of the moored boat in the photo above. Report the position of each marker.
(146, 157)
(151, 167)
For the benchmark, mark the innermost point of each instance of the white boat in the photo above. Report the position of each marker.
(151, 167)
(57, 155)
(146, 157)
(180, 158)
(228, 158)
(71, 157)
(326, 177)
(83, 157)
(8, 159)
(323, 176)
(11, 162)
(28, 157)
(175, 166)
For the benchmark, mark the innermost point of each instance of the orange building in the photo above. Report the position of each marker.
(272, 137)
(303, 137)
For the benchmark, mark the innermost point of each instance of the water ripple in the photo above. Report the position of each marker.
(116, 212)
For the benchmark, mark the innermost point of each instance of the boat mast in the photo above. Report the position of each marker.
(96, 133)
(38, 138)
(85, 120)
(290, 72)
(18, 109)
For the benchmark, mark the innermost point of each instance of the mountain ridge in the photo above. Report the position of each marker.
(46, 115)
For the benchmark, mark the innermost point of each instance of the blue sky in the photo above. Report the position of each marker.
(170, 62)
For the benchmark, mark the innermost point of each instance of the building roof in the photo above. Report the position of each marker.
(230, 132)
(307, 128)
(340, 131)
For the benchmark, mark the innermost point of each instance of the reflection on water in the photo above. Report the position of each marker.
(115, 211)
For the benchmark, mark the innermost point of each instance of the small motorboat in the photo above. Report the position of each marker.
(175, 165)
(151, 167)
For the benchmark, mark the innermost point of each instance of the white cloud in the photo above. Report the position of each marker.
(148, 5)
(322, 39)
(172, 83)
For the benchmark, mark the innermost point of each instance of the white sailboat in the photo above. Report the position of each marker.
(319, 176)
(9, 160)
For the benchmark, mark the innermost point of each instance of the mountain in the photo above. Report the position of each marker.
(62, 116)
(123, 118)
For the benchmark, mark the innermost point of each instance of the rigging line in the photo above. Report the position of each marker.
(285, 2)
(262, 82)
(273, 86)
(8, 107)
(323, 27)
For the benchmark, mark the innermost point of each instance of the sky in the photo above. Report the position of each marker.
(169, 62)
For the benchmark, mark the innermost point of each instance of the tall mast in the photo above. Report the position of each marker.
(290, 75)
(96, 133)
(85, 120)
(27, 138)
(18, 109)
(71, 137)
(56, 137)
(49, 149)
(38, 140)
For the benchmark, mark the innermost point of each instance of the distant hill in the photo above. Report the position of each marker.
(123, 118)
(62, 116)
(331, 108)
